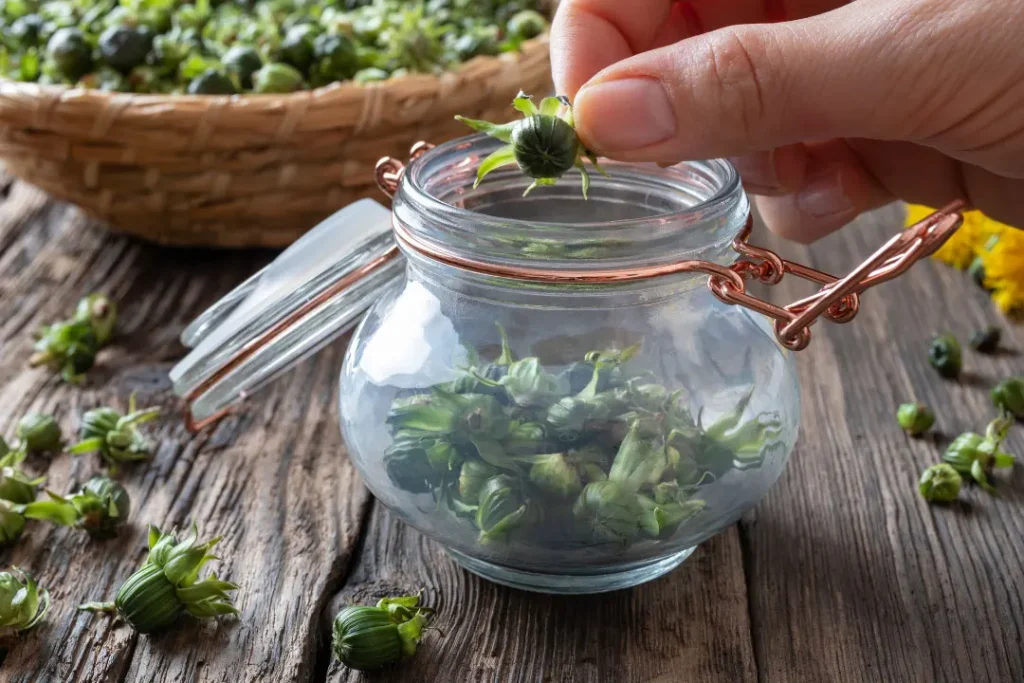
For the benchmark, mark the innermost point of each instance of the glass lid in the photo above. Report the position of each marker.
(311, 294)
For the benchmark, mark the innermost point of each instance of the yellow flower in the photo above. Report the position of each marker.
(1004, 269)
(1000, 248)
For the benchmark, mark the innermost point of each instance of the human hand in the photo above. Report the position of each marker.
(839, 109)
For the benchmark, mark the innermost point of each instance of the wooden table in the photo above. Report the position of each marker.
(843, 573)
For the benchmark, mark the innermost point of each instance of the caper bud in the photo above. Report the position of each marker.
(26, 30)
(544, 146)
(243, 61)
(211, 82)
(940, 484)
(1008, 395)
(336, 57)
(297, 47)
(277, 78)
(70, 53)
(125, 47)
(915, 418)
(986, 340)
(527, 24)
(39, 433)
(944, 355)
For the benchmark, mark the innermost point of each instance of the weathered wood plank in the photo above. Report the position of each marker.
(690, 625)
(853, 577)
(274, 481)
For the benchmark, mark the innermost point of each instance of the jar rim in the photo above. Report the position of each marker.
(691, 210)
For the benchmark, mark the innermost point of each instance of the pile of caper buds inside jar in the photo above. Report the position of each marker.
(588, 454)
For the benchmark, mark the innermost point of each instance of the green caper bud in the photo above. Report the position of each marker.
(367, 638)
(478, 42)
(336, 56)
(125, 47)
(612, 511)
(544, 146)
(97, 422)
(168, 585)
(243, 61)
(503, 507)
(986, 340)
(940, 484)
(297, 47)
(12, 523)
(1008, 395)
(915, 418)
(556, 476)
(70, 53)
(527, 24)
(16, 487)
(26, 30)
(39, 433)
(370, 75)
(103, 505)
(23, 604)
(944, 355)
(277, 78)
(100, 313)
(977, 271)
(211, 82)
(472, 477)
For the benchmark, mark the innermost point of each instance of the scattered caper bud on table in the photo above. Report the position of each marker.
(986, 340)
(167, 585)
(940, 484)
(38, 433)
(1008, 395)
(115, 436)
(70, 347)
(976, 456)
(915, 418)
(367, 638)
(945, 356)
(99, 508)
(23, 603)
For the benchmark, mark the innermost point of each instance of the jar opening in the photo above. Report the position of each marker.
(640, 213)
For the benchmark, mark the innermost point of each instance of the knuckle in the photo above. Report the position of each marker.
(741, 75)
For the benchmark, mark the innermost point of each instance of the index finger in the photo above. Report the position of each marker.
(589, 35)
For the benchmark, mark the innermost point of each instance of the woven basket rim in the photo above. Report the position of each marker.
(66, 93)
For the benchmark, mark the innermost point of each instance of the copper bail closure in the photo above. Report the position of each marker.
(838, 299)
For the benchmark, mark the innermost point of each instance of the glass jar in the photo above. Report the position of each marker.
(527, 462)
(551, 387)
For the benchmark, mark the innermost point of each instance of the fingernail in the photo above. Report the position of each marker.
(824, 197)
(758, 170)
(624, 115)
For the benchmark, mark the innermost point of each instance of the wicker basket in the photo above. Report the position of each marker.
(253, 170)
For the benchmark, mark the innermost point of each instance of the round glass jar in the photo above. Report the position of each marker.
(566, 437)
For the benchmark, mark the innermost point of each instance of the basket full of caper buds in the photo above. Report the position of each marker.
(245, 123)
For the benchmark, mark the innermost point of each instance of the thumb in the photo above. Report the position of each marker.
(849, 72)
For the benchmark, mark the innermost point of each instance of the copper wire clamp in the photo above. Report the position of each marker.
(838, 299)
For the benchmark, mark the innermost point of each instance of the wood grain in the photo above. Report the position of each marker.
(688, 626)
(843, 574)
(274, 482)
(852, 576)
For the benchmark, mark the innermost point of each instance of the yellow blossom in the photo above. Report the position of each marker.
(1004, 269)
(999, 247)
